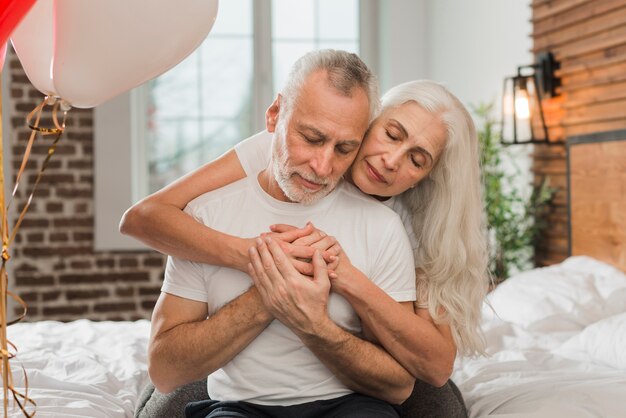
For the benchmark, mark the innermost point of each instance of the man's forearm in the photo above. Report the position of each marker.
(362, 366)
(191, 351)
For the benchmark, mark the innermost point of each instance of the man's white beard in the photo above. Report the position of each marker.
(283, 174)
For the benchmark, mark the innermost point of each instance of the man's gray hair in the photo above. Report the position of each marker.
(346, 71)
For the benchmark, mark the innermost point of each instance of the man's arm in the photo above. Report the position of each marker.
(361, 365)
(186, 346)
(301, 304)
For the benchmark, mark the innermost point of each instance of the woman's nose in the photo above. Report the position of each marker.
(391, 159)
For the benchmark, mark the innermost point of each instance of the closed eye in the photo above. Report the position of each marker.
(345, 149)
(390, 135)
(416, 163)
(311, 140)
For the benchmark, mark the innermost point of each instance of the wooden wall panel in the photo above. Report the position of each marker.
(588, 38)
(598, 200)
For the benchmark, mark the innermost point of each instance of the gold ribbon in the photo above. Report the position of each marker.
(22, 400)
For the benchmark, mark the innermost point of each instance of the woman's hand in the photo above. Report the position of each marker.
(302, 244)
(310, 239)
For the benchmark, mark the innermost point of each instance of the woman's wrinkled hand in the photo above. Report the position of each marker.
(310, 239)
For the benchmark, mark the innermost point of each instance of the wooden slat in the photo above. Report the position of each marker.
(590, 45)
(553, 8)
(588, 28)
(599, 73)
(557, 181)
(590, 128)
(572, 67)
(597, 94)
(549, 152)
(553, 258)
(574, 16)
(596, 113)
(594, 56)
(556, 244)
(552, 166)
(593, 82)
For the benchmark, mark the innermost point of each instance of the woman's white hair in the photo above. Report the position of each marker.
(448, 218)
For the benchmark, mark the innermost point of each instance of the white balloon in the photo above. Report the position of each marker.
(104, 48)
(33, 41)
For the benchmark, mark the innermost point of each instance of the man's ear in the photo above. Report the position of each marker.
(271, 114)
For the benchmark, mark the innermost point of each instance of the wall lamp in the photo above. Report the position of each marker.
(523, 121)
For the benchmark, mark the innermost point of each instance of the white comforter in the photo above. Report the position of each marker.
(557, 349)
(81, 368)
(557, 345)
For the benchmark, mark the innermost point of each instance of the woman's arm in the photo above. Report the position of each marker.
(159, 220)
(300, 303)
(427, 350)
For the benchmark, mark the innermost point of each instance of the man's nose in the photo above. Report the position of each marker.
(322, 164)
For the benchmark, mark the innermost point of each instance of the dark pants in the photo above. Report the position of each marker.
(349, 406)
(425, 402)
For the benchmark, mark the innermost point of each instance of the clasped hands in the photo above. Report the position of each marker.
(292, 270)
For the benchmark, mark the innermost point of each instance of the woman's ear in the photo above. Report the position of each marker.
(271, 114)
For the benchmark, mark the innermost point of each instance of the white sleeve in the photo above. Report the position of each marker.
(393, 269)
(254, 153)
(185, 278)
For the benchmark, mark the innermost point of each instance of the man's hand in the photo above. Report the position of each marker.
(298, 301)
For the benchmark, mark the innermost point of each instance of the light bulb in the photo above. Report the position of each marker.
(522, 106)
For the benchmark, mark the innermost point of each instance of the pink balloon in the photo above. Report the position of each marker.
(3, 54)
(104, 48)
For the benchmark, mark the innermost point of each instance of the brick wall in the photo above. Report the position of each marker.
(55, 268)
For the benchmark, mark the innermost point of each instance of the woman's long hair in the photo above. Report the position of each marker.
(448, 218)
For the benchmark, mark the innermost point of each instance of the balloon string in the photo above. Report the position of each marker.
(58, 130)
(44, 131)
(22, 400)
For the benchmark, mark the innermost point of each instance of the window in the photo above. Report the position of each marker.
(217, 96)
(213, 99)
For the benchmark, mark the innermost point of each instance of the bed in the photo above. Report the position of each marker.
(557, 348)
(81, 368)
(557, 345)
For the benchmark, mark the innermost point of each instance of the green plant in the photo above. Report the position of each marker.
(514, 211)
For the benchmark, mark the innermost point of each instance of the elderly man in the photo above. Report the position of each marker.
(303, 359)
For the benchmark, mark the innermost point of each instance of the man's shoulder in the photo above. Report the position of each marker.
(235, 190)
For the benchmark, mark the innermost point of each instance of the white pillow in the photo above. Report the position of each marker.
(603, 343)
(564, 297)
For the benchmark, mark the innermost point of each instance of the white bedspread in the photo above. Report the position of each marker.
(557, 345)
(557, 349)
(81, 368)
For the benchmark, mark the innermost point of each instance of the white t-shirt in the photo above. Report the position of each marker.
(277, 368)
(254, 155)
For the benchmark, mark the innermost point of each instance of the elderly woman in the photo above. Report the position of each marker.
(419, 157)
